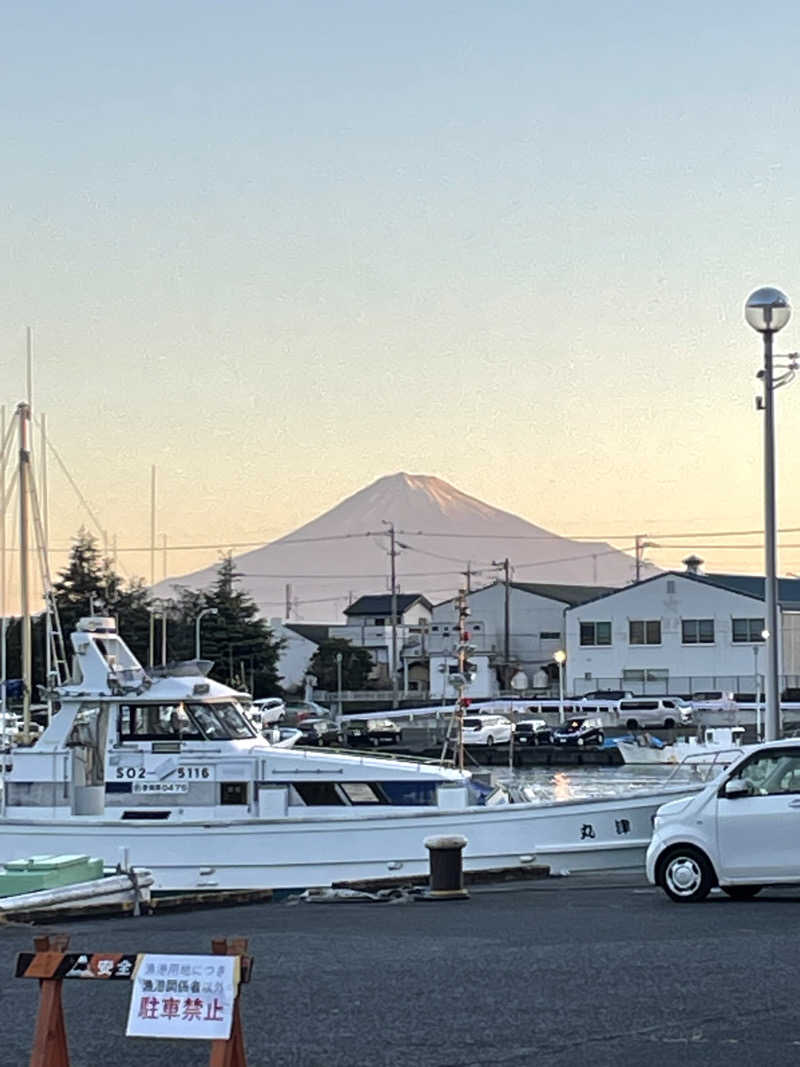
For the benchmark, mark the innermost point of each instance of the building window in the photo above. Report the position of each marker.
(595, 633)
(697, 631)
(747, 630)
(380, 622)
(644, 631)
(648, 674)
(550, 635)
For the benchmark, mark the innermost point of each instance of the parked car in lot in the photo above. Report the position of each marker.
(579, 732)
(532, 732)
(384, 731)
(666, 711)
(714, 700)
(355, 733)
(486, 730)
(268, 710)
(738, 833)
(319, 732)
(297, 710)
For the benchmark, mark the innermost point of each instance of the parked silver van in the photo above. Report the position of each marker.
(654, 711)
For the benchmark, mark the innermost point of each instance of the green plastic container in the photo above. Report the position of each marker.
(47, 872)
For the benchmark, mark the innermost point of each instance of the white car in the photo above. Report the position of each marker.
(486, 730)
(739, 833)
(269, 709)
(666, 711)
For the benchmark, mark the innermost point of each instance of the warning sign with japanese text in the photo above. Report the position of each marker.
(183, 996)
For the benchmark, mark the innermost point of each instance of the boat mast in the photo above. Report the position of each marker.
(463, 647)
(23, 415)
(4, 504)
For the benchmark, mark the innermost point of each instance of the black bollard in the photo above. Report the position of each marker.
(446, 874)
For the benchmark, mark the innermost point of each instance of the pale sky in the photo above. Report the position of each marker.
(280, 250)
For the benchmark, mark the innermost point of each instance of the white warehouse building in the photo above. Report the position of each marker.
(681, 632)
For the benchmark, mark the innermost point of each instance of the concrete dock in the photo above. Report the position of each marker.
(589, 969)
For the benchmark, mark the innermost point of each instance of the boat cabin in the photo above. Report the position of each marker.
(130, 744)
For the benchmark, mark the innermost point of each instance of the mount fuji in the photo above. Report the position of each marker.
(440, 533)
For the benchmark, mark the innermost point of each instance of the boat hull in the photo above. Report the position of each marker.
(645, 755)
(316, 850)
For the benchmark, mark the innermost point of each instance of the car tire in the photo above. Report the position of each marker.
(685, 874)
(742, 892)
(669, 724)
(490, 741)
(600, 739)
(631, 724)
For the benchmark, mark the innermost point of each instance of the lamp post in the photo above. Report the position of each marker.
(339, 685)
(757, 680)
(767, 311)
(205, 611)
(560, 658)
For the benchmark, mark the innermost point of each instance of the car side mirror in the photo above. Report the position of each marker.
(735, 788)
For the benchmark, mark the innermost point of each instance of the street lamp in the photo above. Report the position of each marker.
(339, 685)
(757, 680)
(560, 657)
(205, 611)
(767, 311)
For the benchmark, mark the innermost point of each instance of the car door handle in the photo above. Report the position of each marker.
(794, 803)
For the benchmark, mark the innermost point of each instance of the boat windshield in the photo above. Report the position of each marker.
(183, 722)
(220, 721)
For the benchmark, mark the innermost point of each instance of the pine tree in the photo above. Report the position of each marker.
(241, 644)
(87, 584)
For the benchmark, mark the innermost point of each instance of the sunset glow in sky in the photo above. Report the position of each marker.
(281, 249)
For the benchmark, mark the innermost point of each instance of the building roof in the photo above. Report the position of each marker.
(382, 604)
(312, 631)
(566, 594)
(749, 585)
(753, 585)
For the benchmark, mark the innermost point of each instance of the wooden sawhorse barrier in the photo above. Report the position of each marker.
(51, 964)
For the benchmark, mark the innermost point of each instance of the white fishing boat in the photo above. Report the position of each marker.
(167, 766)
(714, 740)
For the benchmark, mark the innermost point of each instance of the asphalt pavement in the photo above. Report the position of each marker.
(572, 971)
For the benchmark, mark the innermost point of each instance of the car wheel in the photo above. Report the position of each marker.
(631, 724)
(669, 724)
(742, 892)
(600, 737)
(398, 737)
(685, 874)
(490, 741)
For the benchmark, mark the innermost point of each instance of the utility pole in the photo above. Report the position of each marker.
(506, 567)
(641, 543)
(468, 575)
(288, 601)
(393, 557)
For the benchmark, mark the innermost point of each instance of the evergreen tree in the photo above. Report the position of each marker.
(244, 652)
(87, 584)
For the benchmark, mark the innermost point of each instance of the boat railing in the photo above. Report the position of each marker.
(711, 763)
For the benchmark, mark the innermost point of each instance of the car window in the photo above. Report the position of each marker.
(771, 773)
(472, 724)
